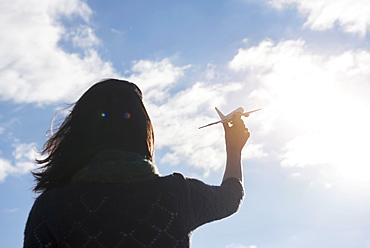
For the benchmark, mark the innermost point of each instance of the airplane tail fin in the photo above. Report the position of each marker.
(222, 116)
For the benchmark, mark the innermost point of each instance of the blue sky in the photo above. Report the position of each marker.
(306, 63)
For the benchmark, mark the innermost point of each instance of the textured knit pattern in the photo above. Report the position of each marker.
(117, 166)
(158, 213)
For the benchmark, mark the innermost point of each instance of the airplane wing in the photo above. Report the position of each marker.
(246, 114)
(210, 124)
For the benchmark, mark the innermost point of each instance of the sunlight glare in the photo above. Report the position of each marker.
(328, 122)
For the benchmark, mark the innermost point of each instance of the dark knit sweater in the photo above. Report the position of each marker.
(160, 212)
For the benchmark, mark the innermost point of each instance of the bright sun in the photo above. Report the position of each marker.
(336, 134)
(331, 124)
(316, 105)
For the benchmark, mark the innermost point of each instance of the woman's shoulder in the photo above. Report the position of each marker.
(174, 176)
(179, 182)
(174, 182)
(178, 178)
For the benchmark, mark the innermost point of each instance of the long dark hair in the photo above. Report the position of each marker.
(109, 114)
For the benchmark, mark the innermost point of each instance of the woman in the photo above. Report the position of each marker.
(100, 187)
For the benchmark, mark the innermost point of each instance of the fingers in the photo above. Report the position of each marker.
(237, 120)
(238, 124)
(236, 134)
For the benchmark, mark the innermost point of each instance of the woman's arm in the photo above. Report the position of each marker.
(236, 136)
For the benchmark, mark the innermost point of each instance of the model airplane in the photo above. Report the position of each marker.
(229, 117)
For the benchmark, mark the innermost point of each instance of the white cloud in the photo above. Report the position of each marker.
(351, 15)
(155, 78)
(254, 150)
(34, 67)
(10, 210)
(314, 105)
(84, 36)
(23, 161)
(5, 167)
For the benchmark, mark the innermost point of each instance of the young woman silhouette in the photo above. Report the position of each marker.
(100, 187)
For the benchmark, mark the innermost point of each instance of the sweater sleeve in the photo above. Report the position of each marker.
(202, 203)
(37, 233)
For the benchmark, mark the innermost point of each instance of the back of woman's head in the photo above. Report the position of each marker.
(110, 114)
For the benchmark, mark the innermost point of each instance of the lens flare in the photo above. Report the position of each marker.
(127, 115)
